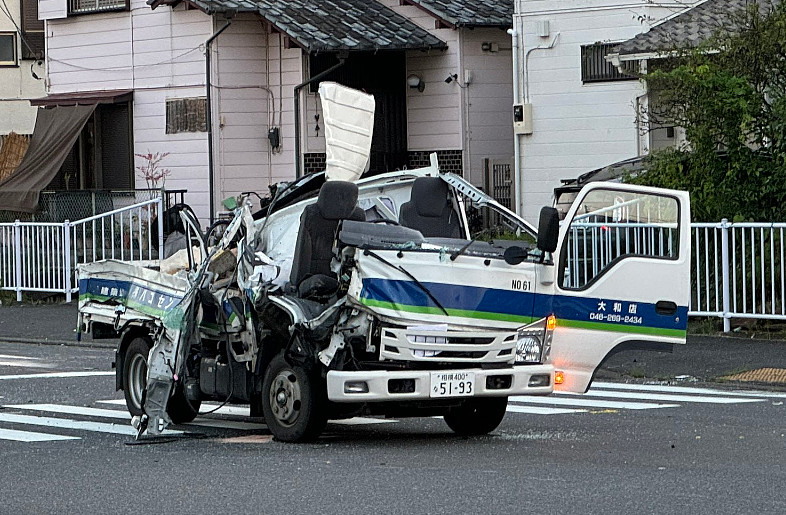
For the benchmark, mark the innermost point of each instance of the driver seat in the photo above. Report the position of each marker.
(429, 210)
(311, 273)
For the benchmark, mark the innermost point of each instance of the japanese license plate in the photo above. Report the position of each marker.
(452, 384)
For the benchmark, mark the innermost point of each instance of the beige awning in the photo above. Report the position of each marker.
(56, 131)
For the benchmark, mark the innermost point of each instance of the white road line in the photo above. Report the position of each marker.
(589, 403)
(32, 436)
(47, 375)
(540, 410)
(98, 427)
(242, 411)
(116, 402)
(22, 363)
(124, 415)
(357, 421)
(15, 356)
(682, 389)
(644, 396)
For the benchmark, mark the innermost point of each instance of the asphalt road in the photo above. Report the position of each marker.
(683, 449)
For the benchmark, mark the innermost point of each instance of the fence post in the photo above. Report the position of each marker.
(160, 227)
(67, 255)
(18, 260)
(725, 269)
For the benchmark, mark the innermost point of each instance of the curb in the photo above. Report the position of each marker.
(67, 343)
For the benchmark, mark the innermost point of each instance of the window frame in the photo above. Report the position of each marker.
(563, 249)
(115, 8)
(15, 47)
(33, 45)
(610, 73)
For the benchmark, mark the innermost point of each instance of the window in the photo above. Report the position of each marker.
(32, 31)
(8, 49)
(611, 225)
(186, 115)
(97, 6)
(595, 68)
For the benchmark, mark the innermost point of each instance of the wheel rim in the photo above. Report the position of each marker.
(285, 399)
(137, 379)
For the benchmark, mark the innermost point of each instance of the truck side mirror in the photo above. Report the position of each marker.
(548, 229)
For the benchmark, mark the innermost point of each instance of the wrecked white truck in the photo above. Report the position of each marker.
(405, 294)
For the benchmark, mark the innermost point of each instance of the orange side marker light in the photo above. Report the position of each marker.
(551, 322)
(559, 377)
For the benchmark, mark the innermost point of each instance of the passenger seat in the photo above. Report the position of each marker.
(430, 210)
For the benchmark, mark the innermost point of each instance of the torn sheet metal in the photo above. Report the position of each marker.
(144, 290)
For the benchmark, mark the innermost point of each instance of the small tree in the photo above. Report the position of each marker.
(729, 94)
(151, 171)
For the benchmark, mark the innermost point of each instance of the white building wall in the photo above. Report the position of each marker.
(577, 127)
(17, 84)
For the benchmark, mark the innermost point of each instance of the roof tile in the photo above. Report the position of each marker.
(691, 27)
(471, 13)
(332, 25)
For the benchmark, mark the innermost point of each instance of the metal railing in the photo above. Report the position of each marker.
(42, 256)
(738, 271)
(61, 205)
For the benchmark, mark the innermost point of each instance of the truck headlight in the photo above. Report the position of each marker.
(528, 349)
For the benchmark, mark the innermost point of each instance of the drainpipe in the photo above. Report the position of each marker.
(209, 116)
(297, 110)
(516, 137)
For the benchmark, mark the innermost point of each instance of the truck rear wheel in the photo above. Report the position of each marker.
(135, 382)
(477, 416)
(135, 373)
(293, 402)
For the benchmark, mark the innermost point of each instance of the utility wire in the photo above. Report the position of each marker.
(7, 12)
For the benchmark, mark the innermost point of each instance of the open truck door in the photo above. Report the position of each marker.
(621, 277)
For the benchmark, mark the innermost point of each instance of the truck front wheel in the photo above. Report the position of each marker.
(293, 402)
(477, 416)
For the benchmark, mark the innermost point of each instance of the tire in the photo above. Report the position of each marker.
(135, 373)
(478, 416)
(180, 409)
(135, 381)
(293, 402)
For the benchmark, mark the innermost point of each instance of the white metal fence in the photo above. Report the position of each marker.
(42, 257)
(738, 271)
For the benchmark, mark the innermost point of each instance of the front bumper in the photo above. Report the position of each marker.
(379, 391)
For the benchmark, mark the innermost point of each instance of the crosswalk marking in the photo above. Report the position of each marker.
(63, 423)
(240, 411)
(601, 396)
(682, 389)
(667, 397)
(12, 360)
(124, 415)
(541, 410)
(47, 375)
(589, 403)
(32, 436)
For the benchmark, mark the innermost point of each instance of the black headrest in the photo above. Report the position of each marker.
(430, 195)
(337, 199)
